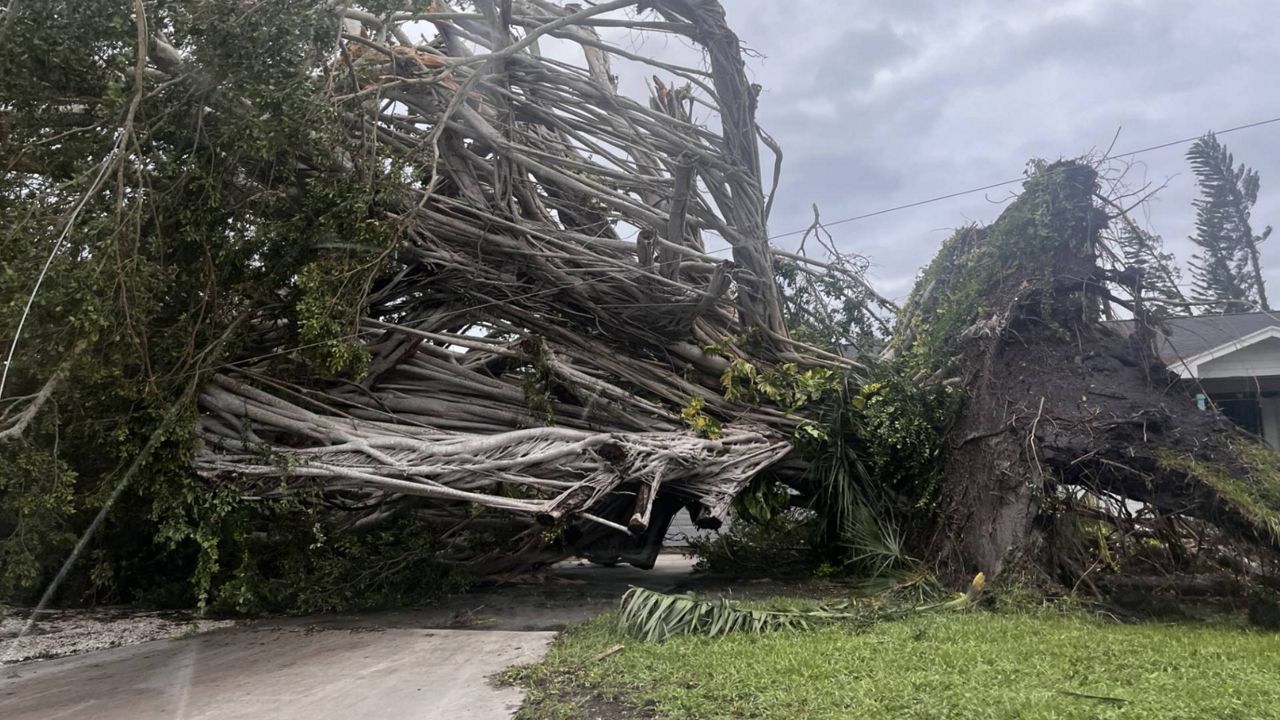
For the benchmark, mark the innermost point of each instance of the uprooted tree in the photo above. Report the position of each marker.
(326, 297)
(392, 273)
(1072, 445)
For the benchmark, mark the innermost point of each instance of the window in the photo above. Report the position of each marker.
(1243, 411)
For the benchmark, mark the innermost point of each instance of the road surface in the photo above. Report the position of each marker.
(431, 663)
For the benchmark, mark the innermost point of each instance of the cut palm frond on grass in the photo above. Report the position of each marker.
(651, 616)
(914, 584)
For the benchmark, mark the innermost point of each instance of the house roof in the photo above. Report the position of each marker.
(1192, 337)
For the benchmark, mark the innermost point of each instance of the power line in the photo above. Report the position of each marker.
(544, 291)
(1003, 183)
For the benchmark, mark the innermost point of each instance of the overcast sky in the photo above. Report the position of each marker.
(878, 104)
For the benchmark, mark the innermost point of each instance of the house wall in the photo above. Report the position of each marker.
(1260, 358)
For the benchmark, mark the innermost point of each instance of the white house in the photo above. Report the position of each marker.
(1233, 362)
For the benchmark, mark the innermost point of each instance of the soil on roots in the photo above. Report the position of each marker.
(1047, 412)
(1068, 417)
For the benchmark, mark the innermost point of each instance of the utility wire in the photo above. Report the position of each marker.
(544, 291)
(896, 208)
(1003, 183)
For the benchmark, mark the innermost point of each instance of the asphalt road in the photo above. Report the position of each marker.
(430, 663)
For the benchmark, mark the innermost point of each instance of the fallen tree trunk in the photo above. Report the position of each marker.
(1061, 409)
(552, 475)
(522, 355)
(448, 289)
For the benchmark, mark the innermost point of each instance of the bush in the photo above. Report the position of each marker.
(783, 544)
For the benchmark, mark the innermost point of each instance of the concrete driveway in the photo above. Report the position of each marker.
(430, 663)
(280, 673)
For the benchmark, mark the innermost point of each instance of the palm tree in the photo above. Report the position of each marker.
(1227, 271)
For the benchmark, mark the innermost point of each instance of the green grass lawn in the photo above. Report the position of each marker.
(968, 665)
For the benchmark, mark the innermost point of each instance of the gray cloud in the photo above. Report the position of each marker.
(879, 104)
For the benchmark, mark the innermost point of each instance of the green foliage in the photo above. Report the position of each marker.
(837, 436)
(874, 543)
(784, 385)
(260, 555)
(538, 383)
(39, 497)
(976, 267)
(1251, 484)
(331, 290)
(869, 447)
(838, 477)
(763, 500)
(653, 617)
(872, 447)
(873, 479)
(205, 220)
(1160, 272)
(834, 309)
(874, 453)
(763, 542)
(699, 421)
(791, 388)
(1226, 272)
(902, 425)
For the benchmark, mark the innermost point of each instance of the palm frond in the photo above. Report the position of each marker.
(837, 470)
(1226, 271)
(652, 616)
(873, 542)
